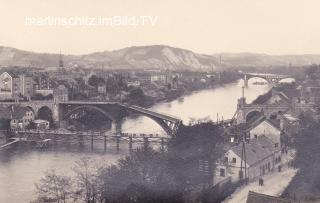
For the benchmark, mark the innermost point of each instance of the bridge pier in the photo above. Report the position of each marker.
(130, 145)
(91, 141)
(105, 143)
(145, 143)
(162, 145)
(116, 126)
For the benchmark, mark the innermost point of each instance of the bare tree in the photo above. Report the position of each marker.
(85, 180)
(54, 188)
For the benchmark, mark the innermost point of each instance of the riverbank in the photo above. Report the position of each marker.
(180, 93)
(34, 162)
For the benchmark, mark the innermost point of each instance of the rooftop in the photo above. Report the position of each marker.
(254, 197)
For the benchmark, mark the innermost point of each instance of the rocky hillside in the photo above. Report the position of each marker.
(150, 57)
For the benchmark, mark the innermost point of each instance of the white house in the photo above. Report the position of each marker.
(261, 156)
(267, 128)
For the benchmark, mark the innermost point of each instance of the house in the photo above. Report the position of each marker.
(257, 157)
(102, 89)
(21, 117)
(61, 93)
(265, 127)
(257, 127)
(14, 86)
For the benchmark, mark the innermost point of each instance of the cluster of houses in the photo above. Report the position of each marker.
(14, 86)
(258, 145)
(17, 117)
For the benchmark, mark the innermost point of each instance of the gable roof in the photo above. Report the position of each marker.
(255, 151)
(254, 197)
(274, 123)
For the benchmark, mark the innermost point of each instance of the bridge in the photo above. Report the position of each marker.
(270, 78)
(46, 137)
(246, 111)
(112, 111)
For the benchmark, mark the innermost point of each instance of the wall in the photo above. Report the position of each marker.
(268, 130)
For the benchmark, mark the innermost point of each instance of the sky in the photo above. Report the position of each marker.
(205, 26)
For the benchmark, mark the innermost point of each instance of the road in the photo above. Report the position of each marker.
(274, 184)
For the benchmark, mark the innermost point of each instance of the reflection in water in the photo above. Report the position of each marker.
(21, 168)
(198, 105)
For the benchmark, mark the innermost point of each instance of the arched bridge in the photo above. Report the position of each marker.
(270, 78)
(115, 112)
(245, 111)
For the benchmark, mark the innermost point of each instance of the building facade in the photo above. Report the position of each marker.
(21, 117)
(13, 86)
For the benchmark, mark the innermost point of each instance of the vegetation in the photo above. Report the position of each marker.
(305, 186)
(137, 97)
(146, 175)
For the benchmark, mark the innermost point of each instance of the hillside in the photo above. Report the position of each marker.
(151, 57)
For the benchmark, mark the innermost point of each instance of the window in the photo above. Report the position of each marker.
(222, 172)
(226, 159)
(256, 136)
(234, 160)
(276, 145)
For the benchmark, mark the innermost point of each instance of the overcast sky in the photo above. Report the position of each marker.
(204, 26)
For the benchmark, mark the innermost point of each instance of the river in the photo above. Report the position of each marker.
(21, 168)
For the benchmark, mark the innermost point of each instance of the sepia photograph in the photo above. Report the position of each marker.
(159, 101)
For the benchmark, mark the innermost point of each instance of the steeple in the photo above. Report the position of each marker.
(60, 60)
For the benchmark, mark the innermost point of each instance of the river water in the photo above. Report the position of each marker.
(22, 167)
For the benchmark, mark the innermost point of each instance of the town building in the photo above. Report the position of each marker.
(21, 117)
(14, 86)
(256, 146)
(61, 93)
(257, 157)
(264, 127)
(102, 89)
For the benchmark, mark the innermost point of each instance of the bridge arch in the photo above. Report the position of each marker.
(260, 77)
(251, 114)
(105, 113)
(45, 113)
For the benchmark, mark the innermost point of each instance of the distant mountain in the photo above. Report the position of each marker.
(152, 57)
(144, 57)
(264, 60)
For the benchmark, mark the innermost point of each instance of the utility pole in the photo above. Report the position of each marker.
(243, 158)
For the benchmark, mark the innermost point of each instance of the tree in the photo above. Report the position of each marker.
(201, 142)
(95, 81)
(136, 96)
(54, 188)
(86, 176)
